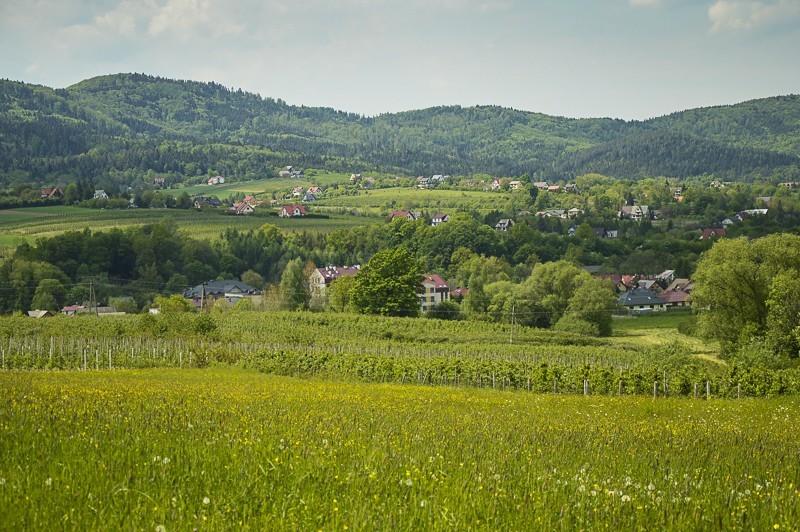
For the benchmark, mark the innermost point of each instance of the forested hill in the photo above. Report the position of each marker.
(112, 124)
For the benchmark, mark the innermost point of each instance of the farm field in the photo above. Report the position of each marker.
(28, 224)
(262, 186)
(393, 350)
(384, 199)
(228, 448)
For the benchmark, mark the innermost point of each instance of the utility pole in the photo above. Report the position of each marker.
(93, 298)
(513, 319)
(202, 297)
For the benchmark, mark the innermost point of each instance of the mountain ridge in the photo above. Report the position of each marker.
(46, 131)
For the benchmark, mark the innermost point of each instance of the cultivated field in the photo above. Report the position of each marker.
(219, 448)
(28, 224)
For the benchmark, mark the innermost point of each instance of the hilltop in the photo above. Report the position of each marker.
(116, 123)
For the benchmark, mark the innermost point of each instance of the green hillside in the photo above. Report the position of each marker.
(110, 125)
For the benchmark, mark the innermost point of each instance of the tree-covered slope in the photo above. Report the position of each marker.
(118, 122)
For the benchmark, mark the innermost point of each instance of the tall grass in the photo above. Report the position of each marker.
(224, 448)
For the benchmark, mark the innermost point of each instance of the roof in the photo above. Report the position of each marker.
(435, 280)
(294, 208)
(640, 296)
(674, 296)
(680, 284)
(220, 288)
(713, 233)
(331, 273)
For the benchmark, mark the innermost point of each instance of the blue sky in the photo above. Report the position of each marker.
(631, 59)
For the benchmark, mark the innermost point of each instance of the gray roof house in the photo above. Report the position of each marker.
(641, 301)
(216, 289)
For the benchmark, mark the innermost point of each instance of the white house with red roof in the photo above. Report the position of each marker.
(433, 290)
(291, 211)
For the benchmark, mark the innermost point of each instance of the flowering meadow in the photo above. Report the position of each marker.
(224, 447)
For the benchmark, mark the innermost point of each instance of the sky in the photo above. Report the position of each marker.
(629, 59)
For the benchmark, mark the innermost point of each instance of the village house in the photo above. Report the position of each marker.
(100, 194)
(322, 278)
(290, 171)
(636, 213)
(504, 224)
(642, 301)
(292, 211)
(52, 193)
(200, 202)
(433, 291)
(552, 213)
(515, 185)
(216, 180)
(159, 181)
(408, 215)
(713, 233)
(439, 219)
(231, 290)
(241, 208)
(541, 185)
(314, 190)
(571, 188)
(297, 192)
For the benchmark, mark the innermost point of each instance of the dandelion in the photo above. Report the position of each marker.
(626, 498)
(165, 461)
(651, 487)
(48, 482)
(206, 500)
(2, 481)
(161, 528)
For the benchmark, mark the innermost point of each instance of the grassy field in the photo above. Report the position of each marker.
(26, 225)
(225, 448)
(385, 199)
(663, 328)
(264, 187)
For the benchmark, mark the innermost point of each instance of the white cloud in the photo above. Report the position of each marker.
(733, 15)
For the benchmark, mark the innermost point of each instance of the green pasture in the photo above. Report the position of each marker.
(26, 225)
(387, 199)
(264, 187)
(224, 448)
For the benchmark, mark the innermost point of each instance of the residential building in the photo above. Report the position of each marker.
(642, 301)
(230, 290)
(439, 219)
(51, 193)
(504, 224)
(200, 202)
(408, 215)
(241, 208)
(292, 211)
(322, 278)
(636, 212)
(433, 291)
(712, 232)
